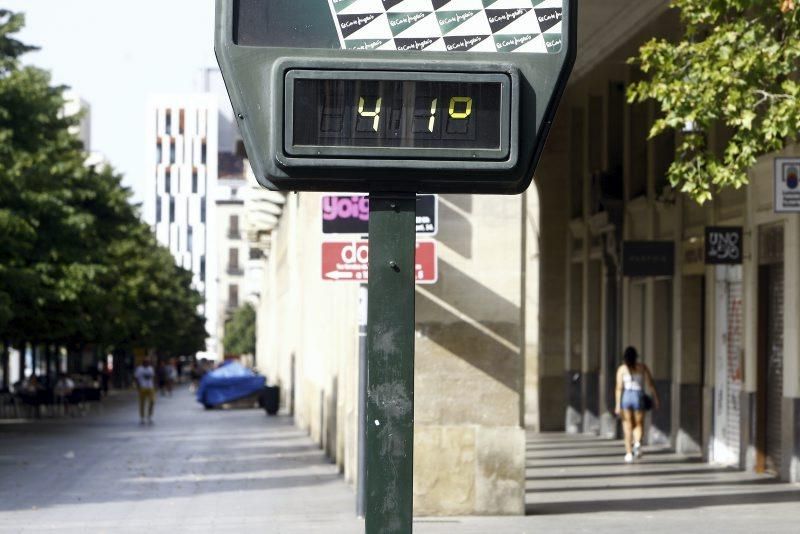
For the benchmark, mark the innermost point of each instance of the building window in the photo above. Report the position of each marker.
(639, 128)
(158, 210)
(576, 160)
(234, 192)
(233, 227)
(171, 210)
(256, 253)
(233, 260)
(159, 152)
(202, 268)
(663, 156)
(194, 180)
(233, 296)
(168, 181)
(203, 210)
(172, 151)
(168, 126)
(189, 238)
(203, 152)
(182, 122)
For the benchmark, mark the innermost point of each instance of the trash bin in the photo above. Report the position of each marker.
(271, 399)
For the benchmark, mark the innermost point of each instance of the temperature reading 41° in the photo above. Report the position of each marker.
(397, 114)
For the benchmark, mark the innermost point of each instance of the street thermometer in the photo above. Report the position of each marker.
(394, 98)
(401, 95)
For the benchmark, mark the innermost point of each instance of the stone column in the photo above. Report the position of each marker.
(469, 443)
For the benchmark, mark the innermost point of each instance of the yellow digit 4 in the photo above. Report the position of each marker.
(460, 100)
(376, 113)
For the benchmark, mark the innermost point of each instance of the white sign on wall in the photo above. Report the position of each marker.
(787, 185)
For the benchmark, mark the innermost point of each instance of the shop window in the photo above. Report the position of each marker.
(596, 134)
(615, 130)
(663, 155)
(638, 119)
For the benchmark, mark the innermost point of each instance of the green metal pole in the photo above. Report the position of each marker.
(390, 363)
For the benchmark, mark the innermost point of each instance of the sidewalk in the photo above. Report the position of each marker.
(192, 471)
(239, 471)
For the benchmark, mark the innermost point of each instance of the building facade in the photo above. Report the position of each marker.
(182, 163)
(721, 340)
(469, 444)
(231, 251)
(526, 326)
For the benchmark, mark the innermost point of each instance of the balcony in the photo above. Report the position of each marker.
(234, 270)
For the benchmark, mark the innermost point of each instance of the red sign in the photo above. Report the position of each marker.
(348, 261)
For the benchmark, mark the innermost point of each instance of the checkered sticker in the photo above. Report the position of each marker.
(522, 26)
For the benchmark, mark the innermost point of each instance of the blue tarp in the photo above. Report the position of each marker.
(230, 382)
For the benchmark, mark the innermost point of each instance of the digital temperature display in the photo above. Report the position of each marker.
(337, 116)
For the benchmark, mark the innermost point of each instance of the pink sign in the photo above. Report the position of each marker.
(348, 261)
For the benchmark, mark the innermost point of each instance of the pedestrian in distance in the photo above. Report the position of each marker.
(171, 372)
(161, 376)
(105, 378)
(62, 391)
(633, 401)
(145, 377)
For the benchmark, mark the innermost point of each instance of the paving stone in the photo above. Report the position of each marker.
(239, 471)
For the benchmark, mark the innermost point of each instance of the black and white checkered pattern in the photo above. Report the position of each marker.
(520, 26)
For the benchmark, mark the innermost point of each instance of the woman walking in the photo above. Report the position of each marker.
(632, 376)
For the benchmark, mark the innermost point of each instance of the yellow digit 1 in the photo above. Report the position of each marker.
(376, 113)
(460, 100)
(432, 120)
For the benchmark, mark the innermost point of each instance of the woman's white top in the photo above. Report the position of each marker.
(632, 381)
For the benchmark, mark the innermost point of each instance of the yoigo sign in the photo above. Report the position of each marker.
(349, 214)
(399, 95)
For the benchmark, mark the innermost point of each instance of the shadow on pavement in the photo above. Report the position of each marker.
(568, 474)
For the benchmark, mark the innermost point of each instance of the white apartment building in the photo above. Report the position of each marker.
(231, 250)
(182, 162)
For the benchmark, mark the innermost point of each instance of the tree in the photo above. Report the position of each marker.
(78, 266)
(734, 65)
(240, 331)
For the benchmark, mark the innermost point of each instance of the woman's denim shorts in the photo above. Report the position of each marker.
(632, 400)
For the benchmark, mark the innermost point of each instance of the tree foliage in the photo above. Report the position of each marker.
(78, 266)
(735, 65)
(240, 332)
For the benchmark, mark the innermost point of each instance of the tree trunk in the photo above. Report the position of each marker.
(21, 357)
(34, 358)
(5, 356)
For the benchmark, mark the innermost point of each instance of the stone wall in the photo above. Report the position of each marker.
(469, 446)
